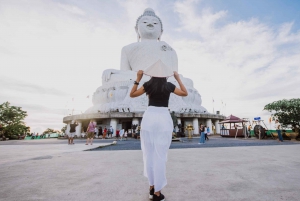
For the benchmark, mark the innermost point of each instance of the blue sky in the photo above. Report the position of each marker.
(243, 53)
(273, 12)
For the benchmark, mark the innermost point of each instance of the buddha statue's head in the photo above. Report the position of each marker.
(149, 26)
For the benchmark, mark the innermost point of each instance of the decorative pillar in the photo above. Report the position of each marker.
(178, 120)
(135, 121)
(196, 125)
(78, 128)
(68, 129)
(209, 124)
(113, 124)
(217, 125)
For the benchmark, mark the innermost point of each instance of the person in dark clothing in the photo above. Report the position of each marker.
(202, 135)
(100, 131)
(156, 127)
(72, 132)
(206, 129)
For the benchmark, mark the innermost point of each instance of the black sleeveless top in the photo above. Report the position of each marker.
(160, 99)
(73, 128)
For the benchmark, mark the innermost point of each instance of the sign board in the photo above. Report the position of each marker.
(257, 118)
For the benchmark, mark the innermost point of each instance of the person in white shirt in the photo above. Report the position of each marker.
(278, 129)
(96, 132)
(121, 134)
(111, 131)
(205, 133)
(125, 135)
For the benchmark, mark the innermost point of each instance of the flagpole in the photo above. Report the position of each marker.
(213, 106)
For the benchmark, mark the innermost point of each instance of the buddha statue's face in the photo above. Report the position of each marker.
(149, 27)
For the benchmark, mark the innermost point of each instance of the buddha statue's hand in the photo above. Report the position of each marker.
(107, 73)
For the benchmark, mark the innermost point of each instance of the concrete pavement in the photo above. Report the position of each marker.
(227, 173)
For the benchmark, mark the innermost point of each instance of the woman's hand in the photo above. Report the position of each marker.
(181, 91)
(176, 75)
(134, 91)
(139, 75)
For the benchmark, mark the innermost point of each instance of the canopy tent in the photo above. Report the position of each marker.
(233, 132)
(232, 119)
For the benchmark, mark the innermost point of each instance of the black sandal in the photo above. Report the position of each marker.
(151, 193)
(161, 197)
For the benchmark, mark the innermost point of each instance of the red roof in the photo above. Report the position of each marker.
(232, 119)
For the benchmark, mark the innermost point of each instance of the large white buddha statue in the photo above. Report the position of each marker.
(149, 50)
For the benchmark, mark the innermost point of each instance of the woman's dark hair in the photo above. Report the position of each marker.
(155, 84)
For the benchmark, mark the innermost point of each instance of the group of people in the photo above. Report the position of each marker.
(204, 132)
(35, 136)
(93, 131)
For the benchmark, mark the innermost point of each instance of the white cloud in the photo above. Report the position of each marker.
(46, 47)
(72, 9)
(247, 64)
(64, 48)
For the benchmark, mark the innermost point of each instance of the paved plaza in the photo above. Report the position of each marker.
(222, 169)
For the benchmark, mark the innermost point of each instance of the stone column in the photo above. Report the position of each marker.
(135, 121)
(196, 125)
(68, 129)
(209, 124)
(113, 123)
(178, 120)
(78, 129)
(217, 125)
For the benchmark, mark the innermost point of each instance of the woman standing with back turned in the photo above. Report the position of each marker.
(156, 127)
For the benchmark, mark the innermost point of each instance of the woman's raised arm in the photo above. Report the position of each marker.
(182, 90)
(134, 91)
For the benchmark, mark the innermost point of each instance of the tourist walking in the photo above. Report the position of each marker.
(100, 132)
(90, 132)
(157, 125)
(72, 132)
(249, 130)
(236, 129)
(121, 134)
(278, 129)
(202, 135)
(96, 132)
(110, 132)
(207, 133)
(125, 135)
(104, 133)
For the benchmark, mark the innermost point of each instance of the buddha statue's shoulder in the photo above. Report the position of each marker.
(159, 45)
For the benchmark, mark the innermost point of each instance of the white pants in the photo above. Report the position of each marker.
(71, 134)
(156, 137)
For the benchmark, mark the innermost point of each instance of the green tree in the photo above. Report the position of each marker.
(11, 120)
(50, 130)
(63, 130)
(286, 111)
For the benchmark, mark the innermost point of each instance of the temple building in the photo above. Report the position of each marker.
(112, 105)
